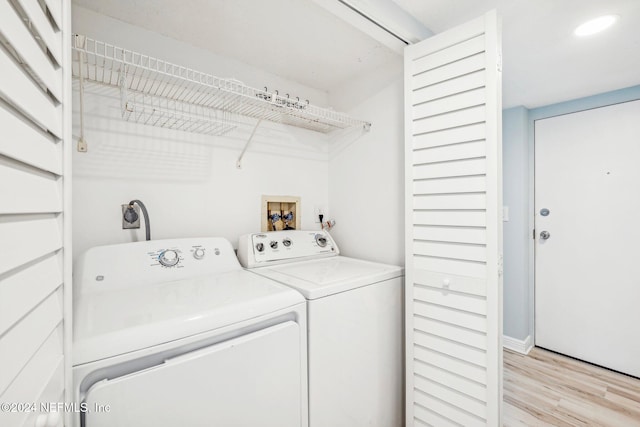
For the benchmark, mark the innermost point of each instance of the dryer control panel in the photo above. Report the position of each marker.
(155, 261)
(277, 247)
(179, 256)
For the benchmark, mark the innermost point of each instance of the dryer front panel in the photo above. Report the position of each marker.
(252, 380)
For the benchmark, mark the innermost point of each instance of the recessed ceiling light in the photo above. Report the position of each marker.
(596, 25)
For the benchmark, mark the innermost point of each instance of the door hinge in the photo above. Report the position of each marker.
(534, 234)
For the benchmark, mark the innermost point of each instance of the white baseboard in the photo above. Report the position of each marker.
(520, 346)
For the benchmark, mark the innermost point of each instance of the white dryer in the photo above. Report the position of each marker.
(175, 333)
(355, 325)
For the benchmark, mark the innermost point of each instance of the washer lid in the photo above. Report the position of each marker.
(322, 277)
(132, 318)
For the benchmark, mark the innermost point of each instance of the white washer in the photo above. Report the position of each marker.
(355, 330)
(175, 333)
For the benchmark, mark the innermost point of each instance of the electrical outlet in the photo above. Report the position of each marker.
(317, 211)
(135, 224)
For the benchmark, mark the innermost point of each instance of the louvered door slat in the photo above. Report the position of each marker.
(450, 364)
(45, 368)
(447, 88)
(453, 239)
(450, 201)
(459, 151)
(26, 95)
(19, 198)
(462, 117)
(29, 238)
(450, 103)
(450, 218)
(452, 299)
(447, 185)
(36, 148)
(460, 318)
(442, 329)
(21, 342)
(35, 57)
(450, 168)
(446, 53)
(456, 382)
(474, 132)
(459, 67)
(428, 418)
(22, 291)
(423, 263)
(450, 250)
(35, 266)
(55, 8)
(447, 411)
(49, 34)
(450, 234)
(472, 284)
(445, 393)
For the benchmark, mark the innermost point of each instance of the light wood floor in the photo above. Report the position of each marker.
(546, 389)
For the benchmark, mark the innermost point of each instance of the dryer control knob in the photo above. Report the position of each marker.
(198, 253)
(286, 242)
(169, 258)
(260, 247)
(273, 244)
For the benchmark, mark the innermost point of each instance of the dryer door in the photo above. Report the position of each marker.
(252, 380)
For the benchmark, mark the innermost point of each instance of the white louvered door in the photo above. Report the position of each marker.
(453, 227)
(35, 257)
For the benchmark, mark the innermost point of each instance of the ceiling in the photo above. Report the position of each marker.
(543, 62)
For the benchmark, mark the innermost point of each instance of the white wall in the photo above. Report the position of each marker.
(189, 182)
(366, 171)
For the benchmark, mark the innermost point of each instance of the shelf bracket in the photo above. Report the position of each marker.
(345, 137)
(244, 150)
(82, 143)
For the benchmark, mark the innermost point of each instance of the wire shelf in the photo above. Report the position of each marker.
(172, 114)
(159, 93)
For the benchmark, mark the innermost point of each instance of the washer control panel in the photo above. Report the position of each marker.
(276, 247)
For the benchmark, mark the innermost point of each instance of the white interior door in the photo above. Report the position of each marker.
(453, 227)
(587, 287)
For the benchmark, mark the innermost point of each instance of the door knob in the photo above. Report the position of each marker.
(544, 235)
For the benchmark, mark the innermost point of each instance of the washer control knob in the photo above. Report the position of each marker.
(198, 253)
(274, 244)
(259, 247)
(321, 240)
(169, 258)
(286, 242)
